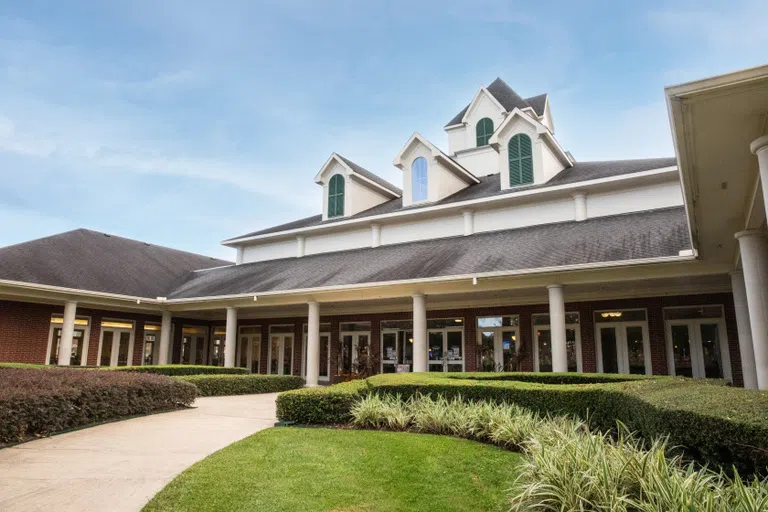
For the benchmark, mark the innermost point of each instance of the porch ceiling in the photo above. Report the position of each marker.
(714, 121)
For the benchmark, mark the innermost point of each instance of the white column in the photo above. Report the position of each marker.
(67, 331)
(746, 349)
(419, 333)
(375, 235)
(753, 245)
(165, 338)
(301, 244)
(313, 344)
(760, 148)
(557, 328)
(469, 222)
(230, 338)
(580, 206)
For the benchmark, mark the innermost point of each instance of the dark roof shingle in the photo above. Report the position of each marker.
(626, 237)
(88, 260)
(508, 98)
(371, 176)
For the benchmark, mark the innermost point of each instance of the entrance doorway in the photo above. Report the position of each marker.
(249, 348)
(194, 345)
(497, 339)
(80, 338)
(697, 344)
(622, 342)
(116, 346)
(445, 345)
(396, 345)
(280, 350)
(542, 343)
(324, 360)
(351, 345)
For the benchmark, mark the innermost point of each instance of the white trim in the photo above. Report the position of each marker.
(327, 378)
(476, 98)
(621, 341)
(498, 341)
(355, 342)
(512, 194)
(335, 156)
(86, 341)
(437, 153)
(444, 331)
(87, 293)
(281, 356)
(116, 331)
(250, 337)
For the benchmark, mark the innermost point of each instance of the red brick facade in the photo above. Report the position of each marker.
(24, 329)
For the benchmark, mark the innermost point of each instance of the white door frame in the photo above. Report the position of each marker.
(498, 340)
(697, 355)
(622, 353)
(116, 331)
(398, 348)
(355, 342)
(548, 327)
(281, 355)
(445, 363)
(327, 335)
(250, 337)
(86, 339)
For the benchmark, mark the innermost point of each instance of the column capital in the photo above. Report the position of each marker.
(748, 233)
(313, 303)
(419, 294)
(554, 286)
(759, 144)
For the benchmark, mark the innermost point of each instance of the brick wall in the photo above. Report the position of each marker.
(24, 329)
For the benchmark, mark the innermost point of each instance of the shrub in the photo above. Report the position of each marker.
(716, 424)
(221, 385)
(320, 406)
(39, 402)
(569, 467)
(174, 370)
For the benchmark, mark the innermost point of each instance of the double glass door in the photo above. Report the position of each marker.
(78, 344)
(623, 347)
(354, 346)
(280, 354)
(446, 349)
(396, 349)
(249, 349)
(194, 346)
(695, 348)
(115, 347)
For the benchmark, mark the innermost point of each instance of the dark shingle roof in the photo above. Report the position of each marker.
(371, 176)
(508, 98)
(490, 186)
(538, 103)
(626, 237)
(93, 261)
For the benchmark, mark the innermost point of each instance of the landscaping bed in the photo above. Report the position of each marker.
(223, 385)
(39, 402)
(715, 424)
(311, 469)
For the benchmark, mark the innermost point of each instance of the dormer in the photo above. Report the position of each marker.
(429, 175)
(349, 189)
(470, 130)
(528, 152)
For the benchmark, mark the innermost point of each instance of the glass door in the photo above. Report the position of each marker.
(396, 349)
(324, 360)
(249, 349)
(446, 350)
(218, 337)
(281, 354)
(355, 347)
(194, 345)
(623, 347)
(542, 347)
(115, 347)
(78, 343)
(696, 348)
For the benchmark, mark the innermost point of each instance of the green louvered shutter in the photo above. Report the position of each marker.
(483, 131)
(520, 160)
(526, 160)
(336, 196)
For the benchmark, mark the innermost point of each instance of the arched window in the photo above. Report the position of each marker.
(484, 130)
(419, 179)
(520, 160)
(336, 196)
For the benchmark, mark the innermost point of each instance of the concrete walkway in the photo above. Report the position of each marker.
(120, 466)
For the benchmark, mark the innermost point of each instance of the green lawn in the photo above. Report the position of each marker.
(308, 469)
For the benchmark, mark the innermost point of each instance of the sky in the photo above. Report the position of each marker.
(186, 122)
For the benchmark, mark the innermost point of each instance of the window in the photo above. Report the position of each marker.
(520, 160)
(336, 196)
(419, 179)
(542, 339)
(484, 130)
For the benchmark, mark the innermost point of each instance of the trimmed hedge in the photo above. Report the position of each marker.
(174, 370)
(715, 424)
(40, 402)
(222, 385)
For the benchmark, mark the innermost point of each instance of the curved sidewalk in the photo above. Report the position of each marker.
(120, 466)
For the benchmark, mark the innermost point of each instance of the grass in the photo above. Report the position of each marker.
(291, 469)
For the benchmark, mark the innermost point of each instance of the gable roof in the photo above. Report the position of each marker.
(360, 171)
(508, 98)
(88, 260)
(634, 236)
(462, 172)
(488, 186)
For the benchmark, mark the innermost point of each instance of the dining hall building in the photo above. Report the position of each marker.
(503, 252)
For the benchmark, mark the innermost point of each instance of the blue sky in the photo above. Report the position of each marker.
(185, 122)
